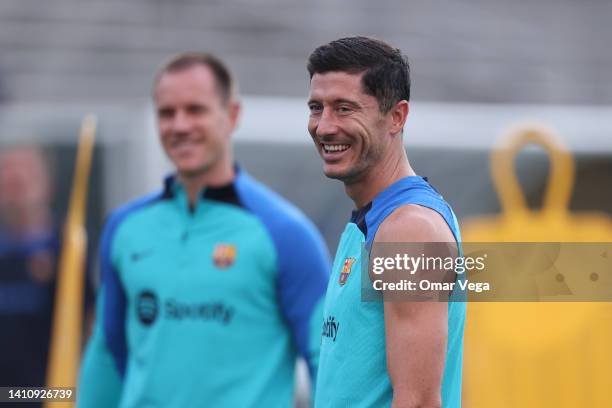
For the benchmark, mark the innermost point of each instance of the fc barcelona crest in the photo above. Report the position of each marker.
(346, 270)
(224, 255)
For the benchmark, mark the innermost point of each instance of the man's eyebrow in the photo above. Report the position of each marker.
(336, 101)
(347, 101)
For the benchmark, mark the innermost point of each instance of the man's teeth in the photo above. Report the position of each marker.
(335, 148)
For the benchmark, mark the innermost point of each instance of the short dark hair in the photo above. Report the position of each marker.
(386, 70)
(223, 76)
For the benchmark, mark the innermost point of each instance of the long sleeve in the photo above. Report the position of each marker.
(304, 272)
(99, 383)
(103, 365)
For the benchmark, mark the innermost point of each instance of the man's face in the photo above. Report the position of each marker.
(346, 125)
(194, 121)
(24, 180)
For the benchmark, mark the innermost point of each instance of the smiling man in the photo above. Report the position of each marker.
(391, 353)
(212, 287)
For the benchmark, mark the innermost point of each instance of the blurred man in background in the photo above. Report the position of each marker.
(392, 353)
(212, 287)
(29, 252)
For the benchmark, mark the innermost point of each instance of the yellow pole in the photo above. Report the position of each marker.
(65, 348)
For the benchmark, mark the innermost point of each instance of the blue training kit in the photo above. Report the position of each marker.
(208, 306)
(353, 365)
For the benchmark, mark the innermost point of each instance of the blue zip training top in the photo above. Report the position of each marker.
(208, 306)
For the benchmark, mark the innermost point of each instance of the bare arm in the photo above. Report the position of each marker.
(416, 332)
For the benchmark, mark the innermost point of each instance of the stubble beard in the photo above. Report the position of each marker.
(361, 167)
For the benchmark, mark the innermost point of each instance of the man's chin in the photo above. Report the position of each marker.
(347, 175)
(190, 171)
(335, 173)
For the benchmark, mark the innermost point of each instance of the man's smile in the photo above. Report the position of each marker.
(334, 151)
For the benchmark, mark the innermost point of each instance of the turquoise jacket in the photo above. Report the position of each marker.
(208, 306)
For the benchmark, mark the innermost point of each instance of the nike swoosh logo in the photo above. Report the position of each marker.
(138, 256)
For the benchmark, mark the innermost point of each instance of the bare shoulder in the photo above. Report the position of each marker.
(414, 223)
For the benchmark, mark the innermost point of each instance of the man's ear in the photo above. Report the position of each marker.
(234, 108)
(399, 114)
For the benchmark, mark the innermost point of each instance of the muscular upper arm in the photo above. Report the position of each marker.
(414, 223)
(416, 332)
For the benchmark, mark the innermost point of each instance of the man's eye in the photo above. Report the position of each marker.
(165, 113)
(196, 109)
(344, 109)
(315, 108)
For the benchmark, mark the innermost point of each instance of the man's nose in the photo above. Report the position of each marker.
(181, 123)
(327, 124)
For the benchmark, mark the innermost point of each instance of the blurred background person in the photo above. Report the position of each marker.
(29, 250)
(30, 245)
(212, 287)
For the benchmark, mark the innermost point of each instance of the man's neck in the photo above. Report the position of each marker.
(378, 179)
(195, 183)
